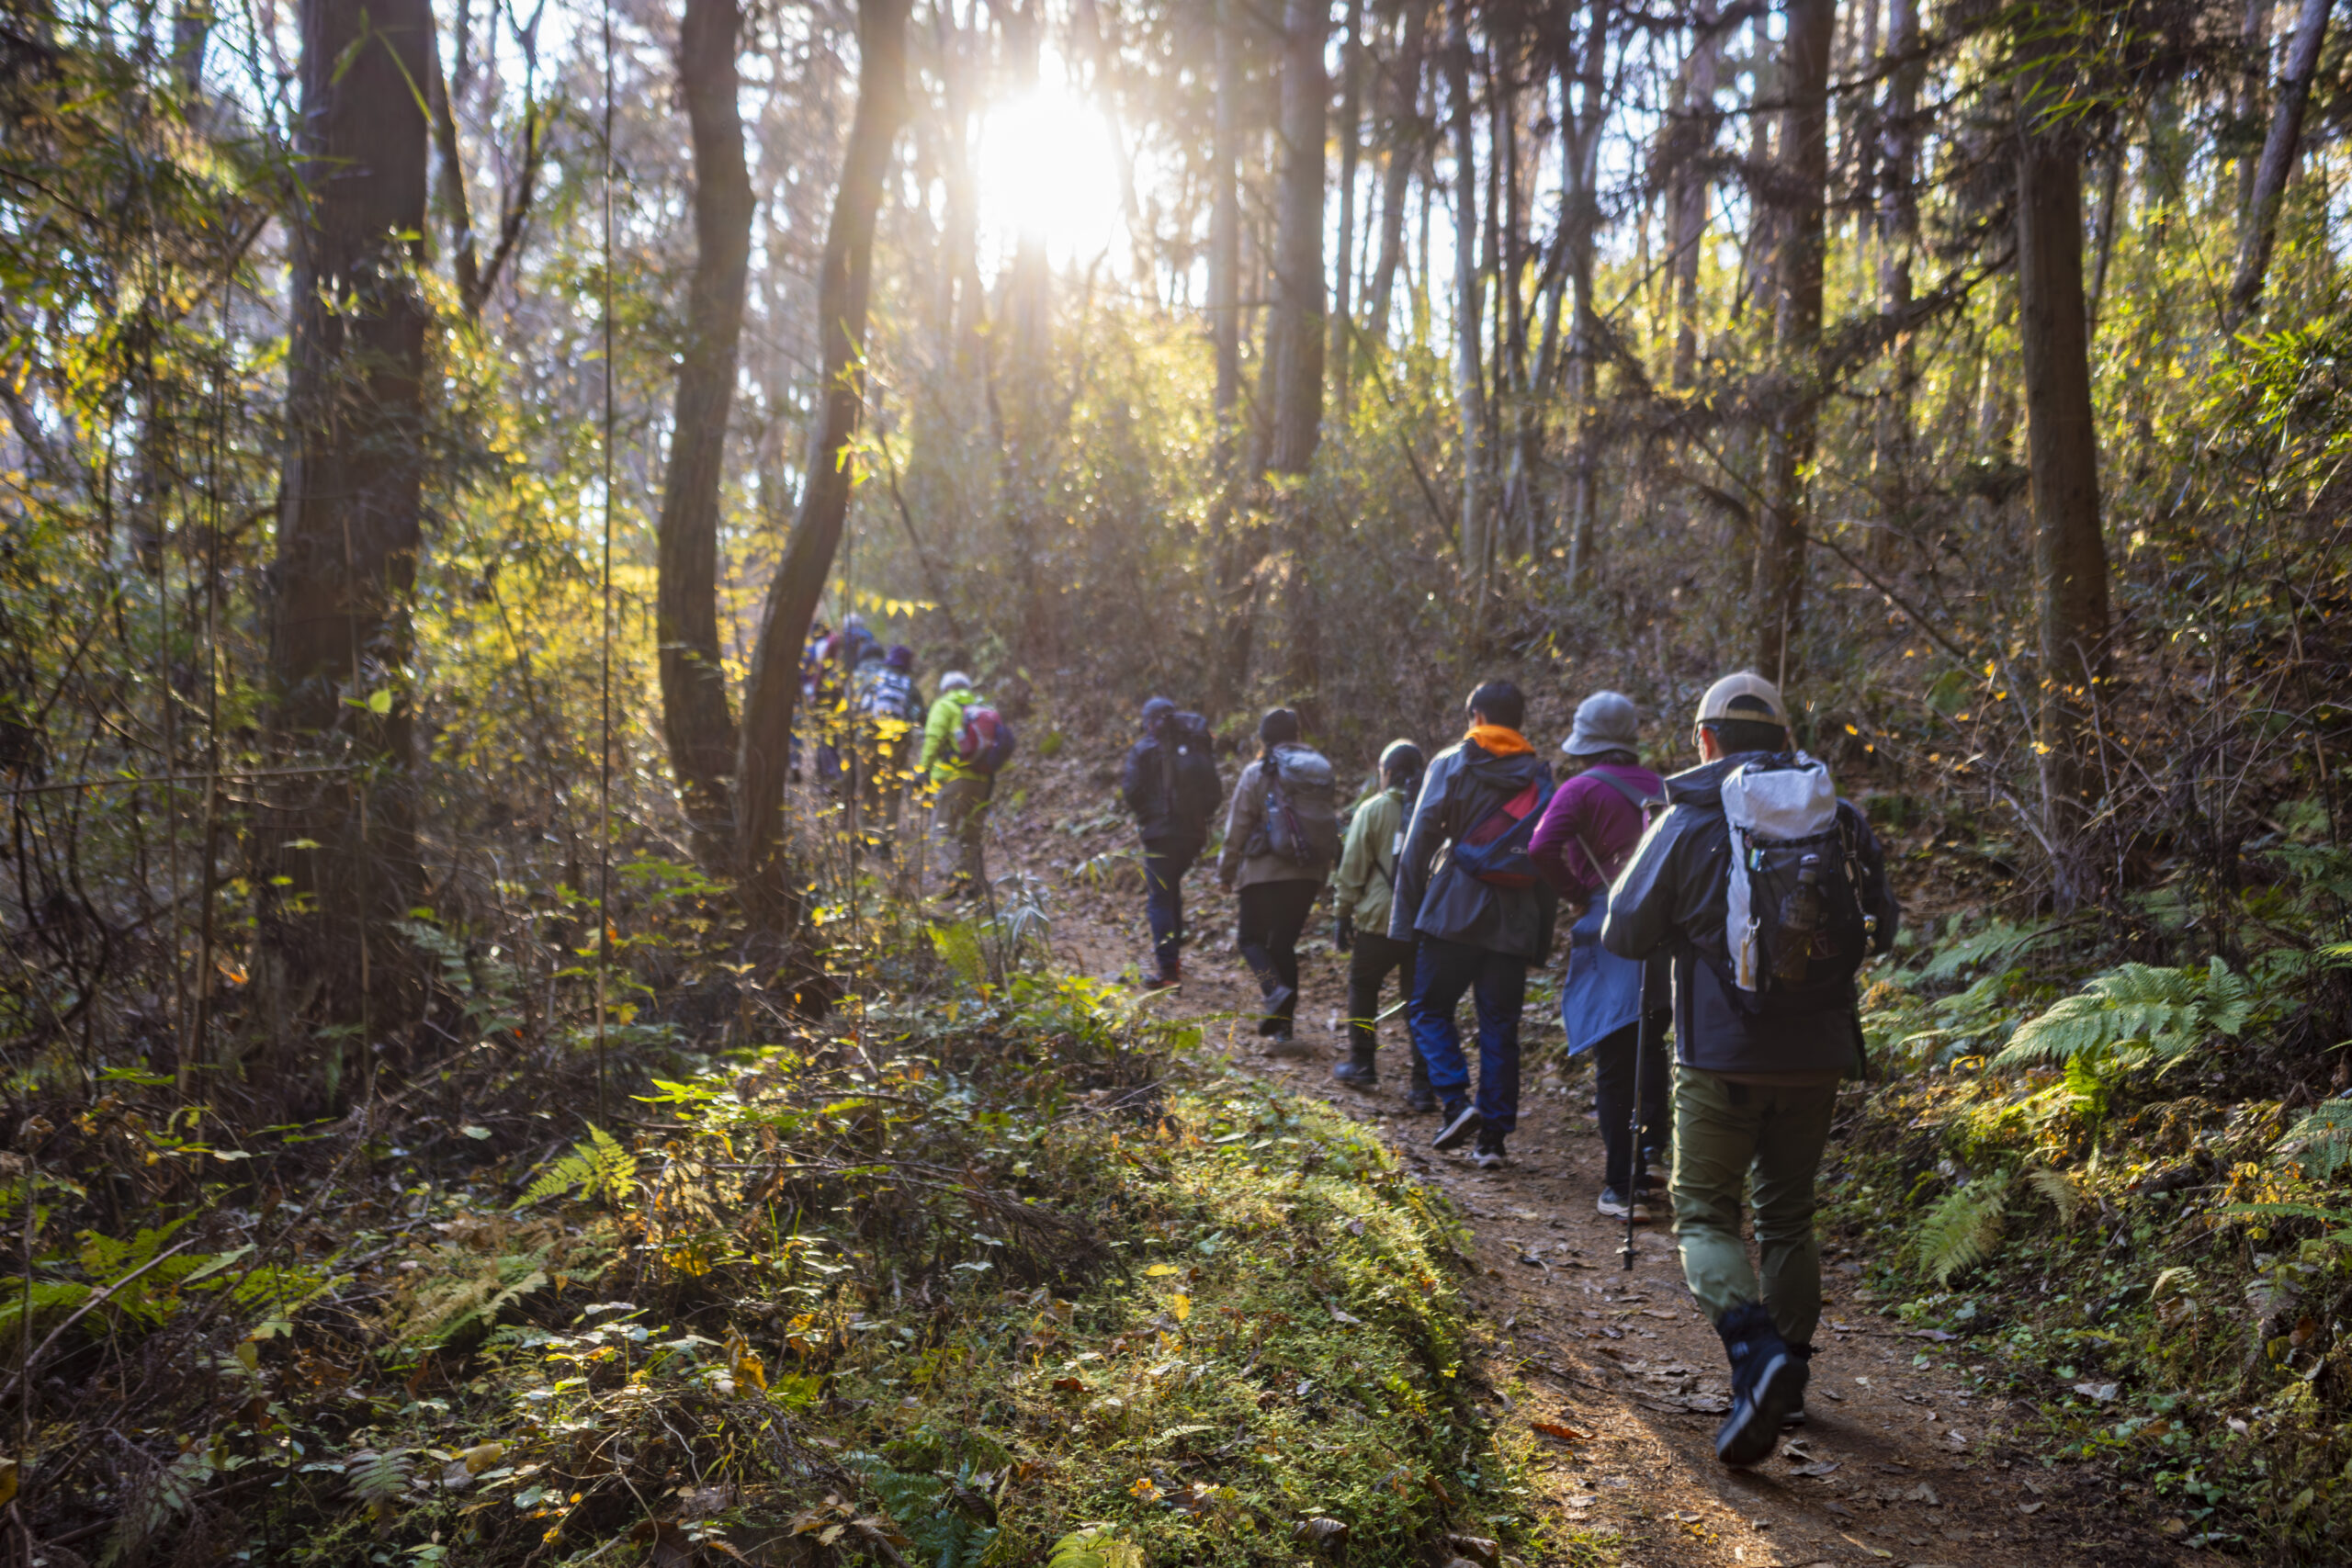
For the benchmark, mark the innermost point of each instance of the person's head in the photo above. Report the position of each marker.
(1401, 764)
(1157, 711)
(1279, 727)
(955, 680)
(1497, 701)
(1741, 713)
(1608, 730)
(902, 658)
(872, 653)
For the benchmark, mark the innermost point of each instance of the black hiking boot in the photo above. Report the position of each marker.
(1418, 1096)
(1795, 1416)
(1461, 1122)
(1767, 1382)
(1359, 1070)
(1489, 1155)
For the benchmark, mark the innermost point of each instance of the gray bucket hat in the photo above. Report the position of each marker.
(1606, 721)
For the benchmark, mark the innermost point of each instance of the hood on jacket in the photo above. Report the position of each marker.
(1509, 773)
(1704, 785)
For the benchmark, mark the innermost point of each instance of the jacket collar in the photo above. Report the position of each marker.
(1704, 785)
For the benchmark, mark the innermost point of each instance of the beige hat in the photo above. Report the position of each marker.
(1745, 695)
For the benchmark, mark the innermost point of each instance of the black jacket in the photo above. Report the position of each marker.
(1464, 784)
(1674, 895)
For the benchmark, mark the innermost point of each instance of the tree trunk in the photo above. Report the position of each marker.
(2254, 79)
(348, 534)
(1407, 144)
(1469, 369)
(1799, 224)
(695, 718)
(2279, 150)
(2069, 551)
(1298, 322)
(1225, 232)
(1898, 234)
(1341, 354)
(1582, 202)
(844, 278)
(1688, 202)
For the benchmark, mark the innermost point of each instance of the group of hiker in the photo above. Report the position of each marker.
(1731, 906)
(875, 739)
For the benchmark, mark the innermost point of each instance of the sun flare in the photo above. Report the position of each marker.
(1048, 170)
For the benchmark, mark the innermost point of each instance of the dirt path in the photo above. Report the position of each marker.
(1898, 1464)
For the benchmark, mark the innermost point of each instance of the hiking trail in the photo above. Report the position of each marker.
(1897, 1464)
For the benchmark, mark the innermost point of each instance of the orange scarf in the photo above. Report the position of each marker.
(1497, 742)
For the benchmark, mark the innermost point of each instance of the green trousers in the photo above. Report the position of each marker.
(1727, 1135)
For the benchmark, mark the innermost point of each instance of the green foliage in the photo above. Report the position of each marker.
(598, 1167)
(2321, 1140)
(1095, 1546)
(1963, 1228)
(927, 1508)
(2133, 1015)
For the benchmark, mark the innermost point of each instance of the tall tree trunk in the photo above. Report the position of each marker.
(1687, 202)
(1407, 145)
(1298, 320)
(1469, 369)
(844, 278)
(2253, 80)
(2061, 440)
(1799, 223)
(2279, 150)
(1580, 128)
(1235, 609)
(348, 533)
(1341, 354)
(696, 721)
(1898, 234)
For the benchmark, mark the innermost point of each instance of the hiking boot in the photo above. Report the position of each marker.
(1461, 1122)
(1359, 1070)
(1420, 1099)
(1795, 1415)
(1767, 1382)
(1617, 1206)
(1278, 1004)
(1489, 1155)
(1167, 979)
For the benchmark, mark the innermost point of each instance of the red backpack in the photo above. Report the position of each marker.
(1495, 852)
(985, 743)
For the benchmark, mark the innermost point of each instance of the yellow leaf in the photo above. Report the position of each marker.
(1182, 1306)
(481, 1456)
(8, 1481)
(1160, 1270)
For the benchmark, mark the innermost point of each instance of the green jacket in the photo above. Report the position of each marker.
(1368, 860)
(940, 731)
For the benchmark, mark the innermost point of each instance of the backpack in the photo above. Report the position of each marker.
(985, 743)
(1495, 850)
(890, 694)
(1302, 807)
(1188, 758)
(1794, 928)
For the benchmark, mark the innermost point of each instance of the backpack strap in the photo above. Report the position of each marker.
(1633, 797)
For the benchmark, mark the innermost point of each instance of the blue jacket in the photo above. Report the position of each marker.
(1463, 783)
(1674, 896)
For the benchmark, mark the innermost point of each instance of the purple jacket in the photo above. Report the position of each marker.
(1605, 819)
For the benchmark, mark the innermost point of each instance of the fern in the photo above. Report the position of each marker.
(378, 1480)
(598, 1166)
(2058, 1189)
(1094, 1547)
(2131, 1015)
(2322, 1140)
(1997, 939)
(958, 946)
(1964, 1227)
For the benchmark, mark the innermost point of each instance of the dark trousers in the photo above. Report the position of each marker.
(1272, 914)
(1497, 983)
(1612, 1072)
(1165, 862)
(1375, 958)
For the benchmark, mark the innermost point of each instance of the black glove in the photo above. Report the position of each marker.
(1345, 938)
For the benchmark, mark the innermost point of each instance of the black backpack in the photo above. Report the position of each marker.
(1188, 771)
(1794, 929)
(1301, 821)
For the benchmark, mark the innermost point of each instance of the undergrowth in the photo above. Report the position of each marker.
(999, 1274)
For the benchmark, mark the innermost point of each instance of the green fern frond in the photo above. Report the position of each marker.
(958, 946)
(2132, 1009)
(1964, 1227)
(1095, 1547)
(598, 1167)
(2322, 1140)
(2058, 1189)
(379, 1478)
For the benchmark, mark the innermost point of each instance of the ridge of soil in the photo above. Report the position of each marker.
(1894, 1466)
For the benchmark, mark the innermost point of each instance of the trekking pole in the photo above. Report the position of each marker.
(1635, 1167)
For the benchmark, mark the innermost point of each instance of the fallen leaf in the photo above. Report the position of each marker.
(1317, 1530)
(1160, 1270)
(1182, 1306)
(481, 1456)
(1923, 1492)
(2103, 1393)
(1348, 1318)
(2174, 1526)
(1069, 1385)
(1554, 1429)
(1936, 1335)
(1477, 1546)
(1653, 1312)
(2030, 1507)
(1824, 1468)
(1955, 1440)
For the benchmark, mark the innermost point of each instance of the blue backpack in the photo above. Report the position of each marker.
(1495, 852)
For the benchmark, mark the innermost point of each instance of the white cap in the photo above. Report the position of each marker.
(955, 680)
(1745, 695)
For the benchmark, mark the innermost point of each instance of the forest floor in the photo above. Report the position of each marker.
(1615, 1379)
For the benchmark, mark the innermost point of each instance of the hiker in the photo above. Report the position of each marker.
(1609, 1005)
(814, 697)
(1366, 887)
(1481, 914)
(1170, 786)
(887, 708)
(1282, 836)
(843, 652)
(1767, 892)
(965, 743)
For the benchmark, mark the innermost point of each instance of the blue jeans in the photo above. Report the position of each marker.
(1498, 982)
(1165, 862)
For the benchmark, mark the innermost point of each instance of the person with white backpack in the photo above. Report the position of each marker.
(1768, 893)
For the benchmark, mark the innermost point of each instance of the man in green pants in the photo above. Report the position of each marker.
(1769, 892)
